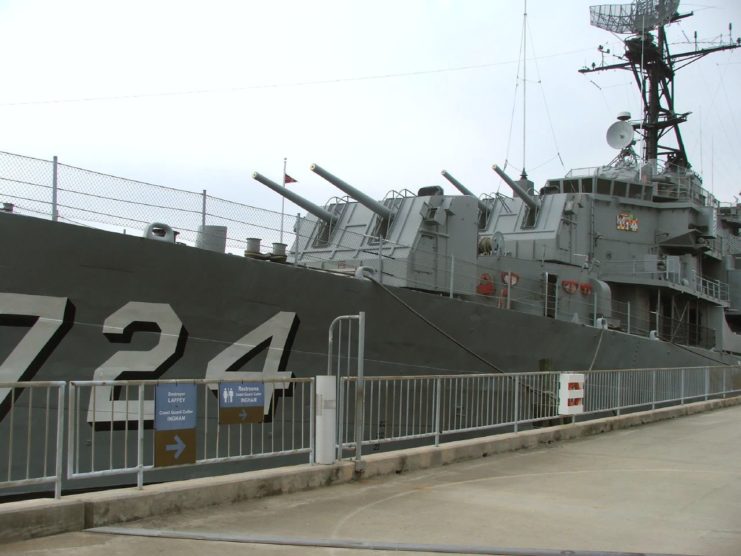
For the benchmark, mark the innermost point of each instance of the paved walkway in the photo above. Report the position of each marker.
(671, 487)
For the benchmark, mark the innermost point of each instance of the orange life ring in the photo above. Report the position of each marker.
(485, 285)
(585, 288)
(570, 286)
(510, 278)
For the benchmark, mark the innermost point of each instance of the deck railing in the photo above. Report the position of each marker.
(119, 437)
(399, 409)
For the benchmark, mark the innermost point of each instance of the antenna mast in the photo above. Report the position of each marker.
(648, 57)
(524, 90)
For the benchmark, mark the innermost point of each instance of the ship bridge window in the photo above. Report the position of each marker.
(603, 187)
(571, 186)
(635, 191)
(620, 189)
(586, 185)
(551, 186)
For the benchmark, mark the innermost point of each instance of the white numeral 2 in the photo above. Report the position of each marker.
(103, 408)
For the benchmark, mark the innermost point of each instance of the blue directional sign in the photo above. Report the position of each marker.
(241, 402)
(175, 407)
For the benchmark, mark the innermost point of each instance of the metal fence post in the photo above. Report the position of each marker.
(140, 440)
(594, 300)
(653, 395)
(619, 385)
(725, 388)
(707, 382)
(545, 295)
(295, 247)
(312, 420)
(517, 402)
(509, 289)
(438, 397)
(54, 190)
(203, 209)
(326, 417)
(360, 390)
(71, 421)
(681, 390)
(452, 274)
(60, 442)
(380, 259)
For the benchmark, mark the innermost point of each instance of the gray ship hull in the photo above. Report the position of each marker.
(219, 300)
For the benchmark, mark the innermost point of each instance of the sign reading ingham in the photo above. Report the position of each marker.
(175, 411)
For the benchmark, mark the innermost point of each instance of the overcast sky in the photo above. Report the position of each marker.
(385, 94)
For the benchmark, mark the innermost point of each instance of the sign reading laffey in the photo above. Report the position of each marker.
(241, 403)
(175, 407)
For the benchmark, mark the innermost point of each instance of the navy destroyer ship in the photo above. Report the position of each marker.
(631, 264)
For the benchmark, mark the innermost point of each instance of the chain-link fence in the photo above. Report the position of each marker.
(48, 189)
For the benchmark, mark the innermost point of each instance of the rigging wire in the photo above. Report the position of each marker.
(527, 33)
(722, 121)
(524, 90)
(434, 326)
(520, 62)
(283, 85)
(545, 100)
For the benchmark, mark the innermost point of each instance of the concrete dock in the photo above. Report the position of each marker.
(667, 487)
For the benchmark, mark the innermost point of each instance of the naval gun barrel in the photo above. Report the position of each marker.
(381, 210)
(316, 210)
(531, 202)
(463, 189)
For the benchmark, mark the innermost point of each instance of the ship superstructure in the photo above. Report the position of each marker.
(636, 245)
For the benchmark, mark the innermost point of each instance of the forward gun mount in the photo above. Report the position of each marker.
(382, 211)
(319, 212)
(532, 203)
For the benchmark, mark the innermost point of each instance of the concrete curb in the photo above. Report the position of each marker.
(41, 517)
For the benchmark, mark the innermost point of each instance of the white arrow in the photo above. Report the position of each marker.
(243, 415)
(178, 447)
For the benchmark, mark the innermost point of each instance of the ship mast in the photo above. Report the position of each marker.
(654, 67)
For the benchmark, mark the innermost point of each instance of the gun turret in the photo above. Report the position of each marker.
(316, 210)
(381, 210)
(531, 202)
(463, 189)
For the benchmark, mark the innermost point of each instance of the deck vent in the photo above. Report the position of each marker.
(160, 232)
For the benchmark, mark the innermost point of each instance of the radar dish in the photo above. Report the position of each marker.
(639, 17)
(620, 135)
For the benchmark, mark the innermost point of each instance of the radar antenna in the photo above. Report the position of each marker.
(640, 17)
(647, 56)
